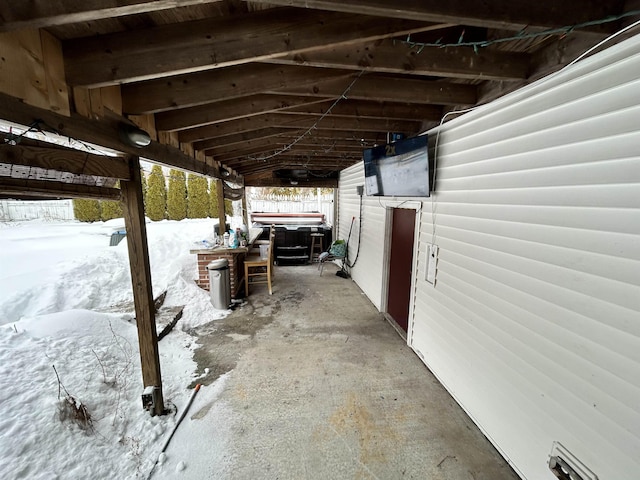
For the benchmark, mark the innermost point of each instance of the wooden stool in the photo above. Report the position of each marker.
(316, 241)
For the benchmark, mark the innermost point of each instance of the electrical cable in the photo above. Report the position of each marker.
(351, 265)
(520, 35)
(315, 125)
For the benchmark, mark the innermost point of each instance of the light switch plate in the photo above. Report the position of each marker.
(432, 260)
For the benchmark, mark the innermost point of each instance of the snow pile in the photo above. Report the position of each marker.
(66, 302)
(49, 268)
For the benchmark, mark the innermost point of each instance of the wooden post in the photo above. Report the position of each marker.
(133, 209)
(222, 218)
(245, 214)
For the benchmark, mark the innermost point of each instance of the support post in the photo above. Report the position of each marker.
(222, 218)
(133, 210)
(245, 213)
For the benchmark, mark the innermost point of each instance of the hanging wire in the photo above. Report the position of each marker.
(315, 125)
(520, 35)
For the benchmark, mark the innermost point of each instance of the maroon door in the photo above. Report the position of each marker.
(400, 264)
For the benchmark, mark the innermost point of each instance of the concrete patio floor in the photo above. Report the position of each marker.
(320, 386)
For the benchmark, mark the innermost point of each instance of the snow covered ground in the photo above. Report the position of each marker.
(66, 303)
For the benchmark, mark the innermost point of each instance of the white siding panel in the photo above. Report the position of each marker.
(368, 270)
(534, 322)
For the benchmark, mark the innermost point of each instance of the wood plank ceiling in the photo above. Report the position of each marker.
(291, 91)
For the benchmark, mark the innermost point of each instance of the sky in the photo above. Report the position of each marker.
(68, 342)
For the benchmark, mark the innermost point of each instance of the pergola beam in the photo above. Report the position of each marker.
(401, 58)
(390, 89)
(280, 141)
(218, 42)
(104, 133)
(20, 187)
(49, 156)
(500, 14)
(301, 121)
(240, 138)
(289, 135)
(19, 14)
(312, 150)
(223, 111)
(369, 109)
(266, 180)
(189, 90)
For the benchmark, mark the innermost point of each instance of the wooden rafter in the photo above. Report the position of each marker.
(368, 109)
(18, 14)
(183, 118)
(400, 58)
(289, 135)
(353, 151)
(19, 187)
(391, 89)
(221, 84)
(54, 157)
(300, 121)
(217, 42)
(280, 142)
(102, 132)
(240, 138)
(245, 124)
(502, 14)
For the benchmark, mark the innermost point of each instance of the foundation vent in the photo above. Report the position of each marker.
(566, 466)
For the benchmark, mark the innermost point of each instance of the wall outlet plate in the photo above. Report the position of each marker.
(432, 260)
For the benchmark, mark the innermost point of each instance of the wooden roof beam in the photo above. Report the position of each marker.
(18, 14)
(191, 117)
(266, 180)
(153, 96)
(241, 138)
(20, 187)
(280, 141)
(217, 42)
(49, 156)
(297, 163)
(391, 89)
(298, 122)
(246, 124)
(104, 133)
(241, 81)
(500, 14)
(290, 135)
(397, 57)
(370, 109)
(267, 150)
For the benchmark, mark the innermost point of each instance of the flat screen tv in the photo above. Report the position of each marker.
(398, 169)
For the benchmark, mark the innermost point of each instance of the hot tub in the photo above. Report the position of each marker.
(292, 244)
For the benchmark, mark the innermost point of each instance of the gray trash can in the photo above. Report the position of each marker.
(219, 283)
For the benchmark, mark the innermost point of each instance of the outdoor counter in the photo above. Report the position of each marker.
(235, 257)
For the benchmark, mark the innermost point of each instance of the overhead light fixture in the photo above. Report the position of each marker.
(133, 136)
(294, 182)
(224, 172)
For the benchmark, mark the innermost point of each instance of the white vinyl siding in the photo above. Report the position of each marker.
(368, 270)
(534, 322)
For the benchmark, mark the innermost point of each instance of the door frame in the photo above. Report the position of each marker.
(386, 262)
